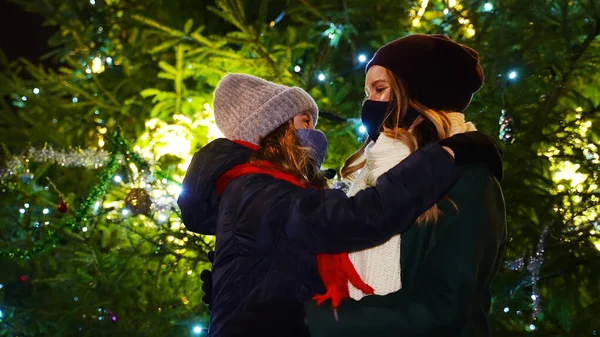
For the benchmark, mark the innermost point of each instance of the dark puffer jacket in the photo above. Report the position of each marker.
(447, 272)
(269, 229)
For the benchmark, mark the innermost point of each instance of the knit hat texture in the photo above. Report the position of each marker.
(438, 72)
(248, 108)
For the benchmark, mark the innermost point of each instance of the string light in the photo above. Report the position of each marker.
(417, 20)
(84, 229)
(362, 58)
(532, 327)
(75, 100)
(197, 329)
(24, 98)
(97, 65)
(512, 75)
(446, 11)
(506, 309)
(45, 211)
(162, 217)
(297, 69)
(488, 7)
(362, 129)
(36, 91)
(321, 77)
(109, 60)
(22, 210)
(93, 2)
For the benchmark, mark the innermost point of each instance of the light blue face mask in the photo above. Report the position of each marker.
(316, 140)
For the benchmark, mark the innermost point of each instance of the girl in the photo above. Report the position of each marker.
(262, 196)
(435, 279)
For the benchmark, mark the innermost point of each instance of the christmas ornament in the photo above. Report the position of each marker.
(26, 177)
(63, 207)
(506, 128)
(138, 201)
(535, 263)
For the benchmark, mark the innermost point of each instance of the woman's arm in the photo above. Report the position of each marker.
(328, 221)
(467, 252)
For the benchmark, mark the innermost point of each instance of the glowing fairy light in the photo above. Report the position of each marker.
(97, 65)
(568, 171)
(417, 20)
(362, 58)
(162, 218)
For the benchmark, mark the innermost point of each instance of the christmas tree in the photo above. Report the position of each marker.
(95, 142)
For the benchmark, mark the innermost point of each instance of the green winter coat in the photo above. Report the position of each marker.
(447, 271)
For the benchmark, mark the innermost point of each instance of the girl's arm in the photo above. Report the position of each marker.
(328, 221)
(469, 245)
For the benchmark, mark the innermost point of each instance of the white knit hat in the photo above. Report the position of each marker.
(248, 108)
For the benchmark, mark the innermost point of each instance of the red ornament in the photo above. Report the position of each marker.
(24, 278)
(62, 207)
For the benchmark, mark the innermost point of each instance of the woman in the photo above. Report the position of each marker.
(435, 279)
(263, 197)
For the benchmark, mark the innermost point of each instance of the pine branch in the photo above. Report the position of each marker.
(151, 23)
(574, 63)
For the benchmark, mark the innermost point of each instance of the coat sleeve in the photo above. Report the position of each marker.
(328, 221)
(467, 252)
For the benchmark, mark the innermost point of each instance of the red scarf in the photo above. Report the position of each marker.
(336, 270)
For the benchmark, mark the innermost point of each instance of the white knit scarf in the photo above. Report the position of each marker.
(379, 266)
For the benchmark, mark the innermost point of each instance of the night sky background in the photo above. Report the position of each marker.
(23, 34)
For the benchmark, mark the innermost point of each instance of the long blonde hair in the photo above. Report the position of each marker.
(282, 150)
(431, 125)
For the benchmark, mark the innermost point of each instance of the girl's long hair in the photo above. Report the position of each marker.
(431, 125)
(282, 149)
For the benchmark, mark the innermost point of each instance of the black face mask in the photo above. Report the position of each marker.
(374, 112)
